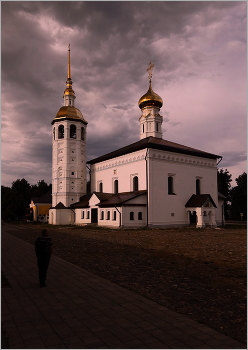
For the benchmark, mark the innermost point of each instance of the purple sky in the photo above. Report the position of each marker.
(199, 53)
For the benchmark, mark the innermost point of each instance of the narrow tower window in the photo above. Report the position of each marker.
(135, 183)
(82, 133)
(198, 187)
(73, 131)
(170, 185)
(100, 187)
(54, 133)
(116, 186)
(61, 132)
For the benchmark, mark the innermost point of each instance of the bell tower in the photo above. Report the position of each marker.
(150, 104)
(68, 152)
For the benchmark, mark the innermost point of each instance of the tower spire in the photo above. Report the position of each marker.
(69, 94)
(69, 63)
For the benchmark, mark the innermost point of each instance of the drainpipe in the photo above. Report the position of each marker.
(146, 187)
(120, 216)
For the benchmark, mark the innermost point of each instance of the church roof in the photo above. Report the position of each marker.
(154, 143)
(198, 201)
(107, 199)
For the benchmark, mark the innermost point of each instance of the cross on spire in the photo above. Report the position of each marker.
(149, 70)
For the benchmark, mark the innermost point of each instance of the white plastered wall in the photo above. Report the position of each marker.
(169, 210)
(123, 169)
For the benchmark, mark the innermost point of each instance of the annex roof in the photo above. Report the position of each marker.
(199, 200)
(154, 143)
(107, 199)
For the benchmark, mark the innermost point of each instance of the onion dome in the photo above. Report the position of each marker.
(69, 113)
(150, 99)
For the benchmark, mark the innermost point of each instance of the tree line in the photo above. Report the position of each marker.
(16, 199)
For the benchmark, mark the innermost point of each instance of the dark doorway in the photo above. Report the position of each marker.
(94, 217)
(192, 217)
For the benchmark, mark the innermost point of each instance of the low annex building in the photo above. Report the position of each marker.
(152, 182)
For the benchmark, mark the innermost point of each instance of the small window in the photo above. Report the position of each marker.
(116, 186)
(198, 186)
(135, 183)
(156, 126)
(114, 215)
(54, 133)
(102, 215)
(131, 215)
(61, 132)
(82, 215)
(72, 173)
(170, 185)
(73, 131)
(108, 215)
(82, 133)
(100, 187)
(140, 215)
(88, 214)
(143, 128)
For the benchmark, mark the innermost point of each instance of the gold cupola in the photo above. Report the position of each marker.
(69, 111)
(150, 98)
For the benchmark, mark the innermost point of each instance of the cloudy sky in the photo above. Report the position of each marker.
(199, 55)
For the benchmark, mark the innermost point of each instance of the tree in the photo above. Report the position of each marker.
(16, 200)
(40, 189)
(239, 198)
(224, 179)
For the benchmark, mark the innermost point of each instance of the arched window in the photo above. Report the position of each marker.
(135, 183)
(102, 215)
(116, 186)
(82, 133)
(108, 215)
(131, 215)
(170, 185)
(73, 131)
(61, 132)
(100, 187)
(198, 186)
(114, 216)
(140, 215)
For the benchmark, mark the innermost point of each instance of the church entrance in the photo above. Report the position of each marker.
(94, 216)
(192, 217)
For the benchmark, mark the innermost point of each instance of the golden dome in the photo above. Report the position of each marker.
(71, 113)
(150, 99)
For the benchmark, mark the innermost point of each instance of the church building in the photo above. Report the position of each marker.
(149, 183)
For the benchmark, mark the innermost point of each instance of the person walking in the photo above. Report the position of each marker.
(43, 250)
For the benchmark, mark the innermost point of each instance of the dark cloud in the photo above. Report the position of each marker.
(199, 51)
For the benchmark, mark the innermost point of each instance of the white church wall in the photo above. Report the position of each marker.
(110, 217)
(61, 217)
(134, 216)
(123, 169)
(169, 209)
